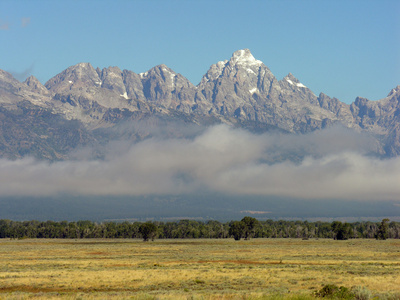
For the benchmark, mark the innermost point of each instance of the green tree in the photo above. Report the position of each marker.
(341, 231)
(244, 228)
(236, 229)
(249, 227)
(148, 231)
(383, 230)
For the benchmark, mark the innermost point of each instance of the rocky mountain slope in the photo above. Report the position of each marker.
(86, 106)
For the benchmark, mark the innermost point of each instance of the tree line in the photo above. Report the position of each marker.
(247, 228)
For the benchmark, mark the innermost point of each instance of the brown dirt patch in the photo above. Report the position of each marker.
(99, 253)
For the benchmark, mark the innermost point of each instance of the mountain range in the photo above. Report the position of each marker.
(83, 106)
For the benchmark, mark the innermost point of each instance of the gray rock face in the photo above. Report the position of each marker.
(9, 89)
(381, 118)
(83, 93)
(241, 91)
(12, 91)
(111, 78)
(234, 86)
(244, 88)
(133, 85)
(165, 88)
(36, 86)
(82, 75)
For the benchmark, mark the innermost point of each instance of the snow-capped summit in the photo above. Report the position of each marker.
(244, 57)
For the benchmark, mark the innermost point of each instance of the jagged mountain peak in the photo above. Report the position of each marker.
(293, 80)
(114, 70)
(31, 80)
(163, 73)
(244, 57)
(291, 77)
(76, 76)
(112, 79)
(214, 72)
(36, 85)
(80, 69)
(241, 62)
(241, 91)
(161, 69)
(394, 91)
(83, 65)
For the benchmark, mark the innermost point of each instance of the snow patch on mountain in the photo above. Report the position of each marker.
(298, 84)
(125, 95)
(288, 80)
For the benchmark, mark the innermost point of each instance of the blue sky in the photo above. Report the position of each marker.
(342, 48)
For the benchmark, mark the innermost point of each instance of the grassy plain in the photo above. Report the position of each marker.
(193, 269)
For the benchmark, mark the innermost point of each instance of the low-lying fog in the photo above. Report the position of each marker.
(330, 164)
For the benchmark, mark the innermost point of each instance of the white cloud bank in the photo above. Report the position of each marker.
(219, 159)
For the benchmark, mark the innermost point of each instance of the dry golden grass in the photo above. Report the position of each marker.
(179, 269)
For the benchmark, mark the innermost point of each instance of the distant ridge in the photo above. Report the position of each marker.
(240, 92)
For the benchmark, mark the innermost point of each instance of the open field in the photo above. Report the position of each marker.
(198, 268)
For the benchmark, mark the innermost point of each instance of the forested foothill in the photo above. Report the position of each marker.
(247, 228)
